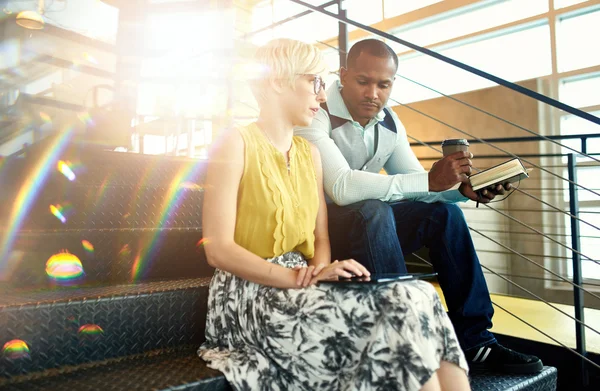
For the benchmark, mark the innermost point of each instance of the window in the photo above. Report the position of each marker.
(94, 19)
(581, 91)
(467, 20)
(565, 3)
(321, 26)
(590, 243)
(394, 7)
(575, 46)
(531, 46)
(184, 32)
(571, 124)
(365, 12)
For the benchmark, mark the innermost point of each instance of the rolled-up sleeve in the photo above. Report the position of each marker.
(404, 163)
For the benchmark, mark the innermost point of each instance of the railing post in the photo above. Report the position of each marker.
(342, 35)
(577, 277)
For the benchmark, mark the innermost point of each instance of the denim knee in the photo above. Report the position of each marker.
(449, 214)
(376, 211)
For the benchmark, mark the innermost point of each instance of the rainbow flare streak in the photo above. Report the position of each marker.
(15, 348)
(171, 202)
(56, 211)
(87, 246)
(45, 117)
(65, 170)
(29, 191)
(86, 119)
(89, 58)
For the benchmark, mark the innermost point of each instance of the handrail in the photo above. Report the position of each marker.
(524, 276)
(524, 321)
(522, 139)
(546, 138)
(468, 68)
(491, 145)
(525, 192)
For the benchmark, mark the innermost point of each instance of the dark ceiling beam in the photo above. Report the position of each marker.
(88, 70)
(78, 38)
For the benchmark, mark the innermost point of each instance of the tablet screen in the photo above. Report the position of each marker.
(381, 278)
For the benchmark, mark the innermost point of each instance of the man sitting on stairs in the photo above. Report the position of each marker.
(376, 219)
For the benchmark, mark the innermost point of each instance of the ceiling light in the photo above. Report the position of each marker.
(31, 19)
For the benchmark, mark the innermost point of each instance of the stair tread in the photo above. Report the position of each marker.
(180, 369)
(492, 381)
(17, 298)
(165, 369)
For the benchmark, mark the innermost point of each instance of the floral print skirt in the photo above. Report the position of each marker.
(388, 336)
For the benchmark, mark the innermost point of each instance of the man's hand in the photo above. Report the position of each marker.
(450, 170)
(487, 194)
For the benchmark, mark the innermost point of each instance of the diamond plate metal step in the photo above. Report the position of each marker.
(70, 327)
(168, 369)
(181, 369)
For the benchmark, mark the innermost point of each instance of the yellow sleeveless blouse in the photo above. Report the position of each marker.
(276, 208)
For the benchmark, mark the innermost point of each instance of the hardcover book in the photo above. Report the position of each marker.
(507, 172)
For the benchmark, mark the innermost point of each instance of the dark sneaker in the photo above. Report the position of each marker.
(496, 357)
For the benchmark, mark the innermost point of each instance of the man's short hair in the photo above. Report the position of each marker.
(372, 46)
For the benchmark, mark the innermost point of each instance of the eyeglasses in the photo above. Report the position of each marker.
(318, 83)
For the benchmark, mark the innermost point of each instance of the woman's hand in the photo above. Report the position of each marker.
(344, 269)
(305, 274)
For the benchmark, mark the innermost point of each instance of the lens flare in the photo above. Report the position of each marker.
(30, 189)
(71, 319)
(190, 186)
(45, 117)
(15, 349)
(201, 243)
(64, 268)
(167, 208)
(87, 246)
(89, 58)
(61, 212)
(65, 169)
(55, 210)
(90, 331)
(125, 252)
(86, 119)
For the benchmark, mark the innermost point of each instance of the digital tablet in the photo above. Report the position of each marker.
(381, 278)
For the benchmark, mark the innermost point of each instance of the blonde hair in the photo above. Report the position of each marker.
(285, 59)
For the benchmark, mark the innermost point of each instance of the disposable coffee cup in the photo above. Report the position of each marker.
(454, 145)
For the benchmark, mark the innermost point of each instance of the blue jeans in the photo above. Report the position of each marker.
(378, 234)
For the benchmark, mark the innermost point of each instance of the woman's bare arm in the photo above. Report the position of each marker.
(322, 248)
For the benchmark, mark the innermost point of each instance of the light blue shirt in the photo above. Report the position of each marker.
(406, 179)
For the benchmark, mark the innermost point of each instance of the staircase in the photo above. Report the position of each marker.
(125, 308)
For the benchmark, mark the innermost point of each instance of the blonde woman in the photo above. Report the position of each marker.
(271, 325)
